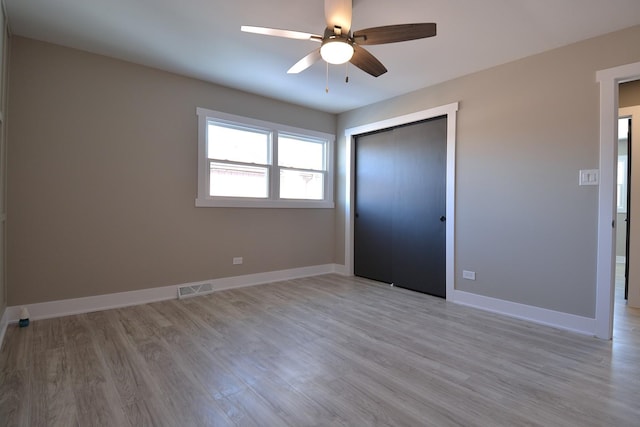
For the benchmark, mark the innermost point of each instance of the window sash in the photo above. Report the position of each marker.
(302, 140)
(254, 132)
(312, 172)
(250, 186)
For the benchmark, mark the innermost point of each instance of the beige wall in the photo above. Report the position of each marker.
(102, 181)
(525, 129)
(629, 94)
(621, 232)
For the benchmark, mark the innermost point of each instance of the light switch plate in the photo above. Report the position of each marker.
(589, 177)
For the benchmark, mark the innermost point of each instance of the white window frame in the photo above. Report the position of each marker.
(273, 201)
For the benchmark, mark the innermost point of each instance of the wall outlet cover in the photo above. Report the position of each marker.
(469, 275)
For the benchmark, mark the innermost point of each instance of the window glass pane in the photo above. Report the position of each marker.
(238, 180)
(234, 144)
(301, 185)
(620, 205)
(622, 170)
(622, 183)
(300, 153)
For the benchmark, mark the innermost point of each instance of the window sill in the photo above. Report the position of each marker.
(259, 203)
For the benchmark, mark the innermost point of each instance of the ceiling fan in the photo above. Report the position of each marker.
(340, 45)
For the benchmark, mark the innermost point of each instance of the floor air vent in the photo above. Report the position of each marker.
(194, 290)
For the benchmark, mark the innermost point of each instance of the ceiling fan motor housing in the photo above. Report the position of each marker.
(337, 49)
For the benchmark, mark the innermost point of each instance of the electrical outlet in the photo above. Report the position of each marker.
(237, 260)
(469, 275)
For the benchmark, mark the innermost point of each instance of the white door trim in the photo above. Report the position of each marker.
(449, 110)
(609, 80)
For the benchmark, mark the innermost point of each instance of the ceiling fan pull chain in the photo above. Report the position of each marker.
(326, 89)
(346, 69)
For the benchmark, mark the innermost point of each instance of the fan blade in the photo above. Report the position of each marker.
(281, 33)
(394, 33)
(367, 62)
(305, 62)
(338, 14)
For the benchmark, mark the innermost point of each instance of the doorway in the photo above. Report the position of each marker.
(609, 80)
(629, 111)
(623, 214)
(400, 206)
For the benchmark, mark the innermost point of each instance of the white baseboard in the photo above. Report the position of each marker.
(556, 319)
(51, 309)
(341, 269)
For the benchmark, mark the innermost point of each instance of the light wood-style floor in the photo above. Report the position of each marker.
(323, 351)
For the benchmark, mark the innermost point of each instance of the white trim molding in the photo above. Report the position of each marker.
(4, 322)
(51, 309)
(609, 80)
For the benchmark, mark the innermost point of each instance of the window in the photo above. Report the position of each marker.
(301, 163)
(250, 163)
(624, 125)
(621, 193)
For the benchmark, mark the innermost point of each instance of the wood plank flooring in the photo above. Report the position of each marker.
(322, 351)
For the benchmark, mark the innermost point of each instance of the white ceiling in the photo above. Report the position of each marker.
(202, 39)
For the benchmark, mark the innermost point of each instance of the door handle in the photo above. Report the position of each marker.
(443, 218)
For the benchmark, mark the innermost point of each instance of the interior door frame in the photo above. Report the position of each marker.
(450, 111)
(627, 231)
(609, 80)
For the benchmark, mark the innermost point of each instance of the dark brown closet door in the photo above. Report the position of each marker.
(400, 224)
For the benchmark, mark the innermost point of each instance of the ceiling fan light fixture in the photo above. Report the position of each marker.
(336, 50)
